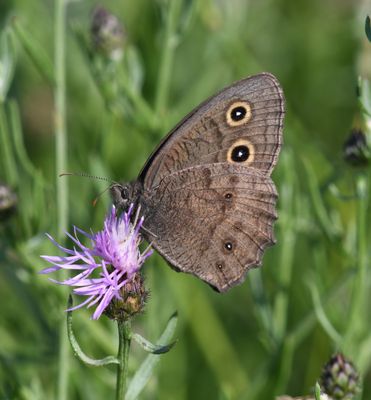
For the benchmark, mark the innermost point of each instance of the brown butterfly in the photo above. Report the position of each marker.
(205, 193)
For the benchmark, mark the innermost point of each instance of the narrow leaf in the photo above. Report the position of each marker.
(145, 371)
(7, 58)
(321, 315)
(8, 163)
(317, 391)
(318, 204)
(150, 347)
(18, 139)
(76, 347)
(368, 28)
(35, 51)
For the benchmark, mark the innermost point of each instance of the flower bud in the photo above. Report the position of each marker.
(107, 34)
(356, 149)
(339, 378)
(8, 202)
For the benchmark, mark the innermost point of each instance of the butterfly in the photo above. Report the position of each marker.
(205, 193)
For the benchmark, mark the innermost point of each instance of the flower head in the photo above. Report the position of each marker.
(340, 379)
(105, 268)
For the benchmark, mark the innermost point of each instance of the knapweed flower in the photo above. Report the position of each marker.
(340, 379)
(107, 266)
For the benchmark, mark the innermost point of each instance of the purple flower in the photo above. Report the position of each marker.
(107, 266)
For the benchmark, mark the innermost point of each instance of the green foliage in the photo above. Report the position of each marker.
(272, 334)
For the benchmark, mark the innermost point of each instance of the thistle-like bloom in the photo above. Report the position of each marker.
(107, 266)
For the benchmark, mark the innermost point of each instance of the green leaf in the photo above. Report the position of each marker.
(364, 98)
(8, 163)
(368, 28)
(321, 315)
(35, 51)
(332, 231)
(150, 347)
(18, 140)
(317, 392)
(76, 347)
(145, 371)
(7, 57)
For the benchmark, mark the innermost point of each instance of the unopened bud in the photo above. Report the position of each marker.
(107, 33)
(356, 149)
(8, 202)
(340, 378)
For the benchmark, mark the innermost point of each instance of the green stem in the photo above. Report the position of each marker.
(60, 115)
(61, 162)
(139, 103)
(285, 366)
(7, 156)
(360, 283)
(167, 56)
(124, 329)
(288, 239)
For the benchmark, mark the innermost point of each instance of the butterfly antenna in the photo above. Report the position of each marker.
(95, 201)
(85, 175)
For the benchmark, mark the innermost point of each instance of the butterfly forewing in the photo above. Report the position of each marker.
(245, 116)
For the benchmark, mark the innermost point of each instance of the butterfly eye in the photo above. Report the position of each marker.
(242, 152)
(124, 193)
(238, 113)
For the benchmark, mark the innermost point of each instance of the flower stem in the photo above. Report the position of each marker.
(360, 283)
(8, 162)
(60, 114)
(288, 237)
(61, 162)
(124, 329)
(167, 56)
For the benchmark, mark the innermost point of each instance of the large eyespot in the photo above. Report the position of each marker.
(241, 152)
(238, 113)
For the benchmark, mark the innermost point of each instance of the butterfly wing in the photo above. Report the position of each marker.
(208, 200)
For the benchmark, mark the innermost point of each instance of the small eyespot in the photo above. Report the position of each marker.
(219, 266)
(241, 151)
(238, 113)
(228, 246)
(228, 196)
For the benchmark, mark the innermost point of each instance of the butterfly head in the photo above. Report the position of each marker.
(123, 195)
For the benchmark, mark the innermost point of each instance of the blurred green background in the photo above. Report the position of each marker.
(272, 334)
